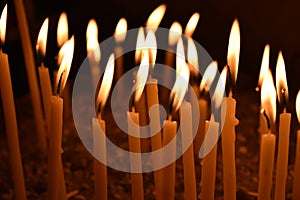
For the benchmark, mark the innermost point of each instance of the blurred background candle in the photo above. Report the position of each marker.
(267, 139)
(155, 18)
(296, 182)
(99, 127)
(284, 131)
(10, 117)
(228, 131)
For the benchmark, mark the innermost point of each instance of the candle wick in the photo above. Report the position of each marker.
(268, 120)
(59, 89)
(229, 79)
(283, 91)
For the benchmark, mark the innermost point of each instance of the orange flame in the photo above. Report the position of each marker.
(234, 50)
(175, 33)
(151, 45)
(218, 95)
(268, 96)
(66, 53)
(264, 64)
(62, 29)
(281, 82)
(192, 57)
(106, 82)
(209, 76)
(142, 75)
(140, 43)
(180, 57)
(121, 29)
(3, 24)
(298, 106)
(42, 38)
(92, 43)
(155, 17)
(180, 86)
(192, 24)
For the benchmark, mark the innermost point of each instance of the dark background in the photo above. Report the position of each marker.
(273, 21)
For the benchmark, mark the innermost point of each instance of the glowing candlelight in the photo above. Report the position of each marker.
(192, 24)
(284, 130)
(140, 43)
(56, 181)
(121, 29)
(192, 57)
(62, 29)
(174, 34)
(151, 45)
(10, 117)
(155, 17)
(264, 65)
(99, 127)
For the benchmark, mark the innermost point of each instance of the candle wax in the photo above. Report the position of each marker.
(296, 183)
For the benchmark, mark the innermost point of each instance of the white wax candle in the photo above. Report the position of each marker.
(266, 163)
(283, 155)
(55, 173)
(46, 90)
(296, 183)
(156, 140)
(100, 170)
(11, 128)
(189, 176)
(228, 149)
(137, 188)
(168, 173)
(209, 165)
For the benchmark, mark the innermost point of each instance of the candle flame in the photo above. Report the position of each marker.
(62, 29)
(120, 32)
(42, 38)
(142, 75)
(268, 96)
(298, 106)
(209, 76)
(192, 24)
(174, 33)
(155, 17)
(264, 64)
(281, 82)
(192, 57)
(217, 97)
(92, 43)
(140, 43)
(151, 45)
(234, 50)
(66, 53)
(106, 82)
(180, 86)
(180, 57)
(3, 24)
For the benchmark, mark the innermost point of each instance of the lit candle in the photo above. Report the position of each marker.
(263, 70)
(93, 51)
(192, 24)
(10, 117)
(100, 169)
(44, 77)
(56, 181)
(204, 86)
(134, 129)
(209, 162)
(155, 18)
(31, 74)
(284, 131)
(296, 183)
(268, 139)
(228, 132)
(120, 35)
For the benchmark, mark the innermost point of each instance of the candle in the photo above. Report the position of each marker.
(209, 163)
(296, 183)
(204, 86)
(284, 131)
(268, 139)
(228, 132)
(189, 176)
(31, 74)
(45, 83)
(56, 183)
(100, 169)
(93, 51)
(10, 118)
